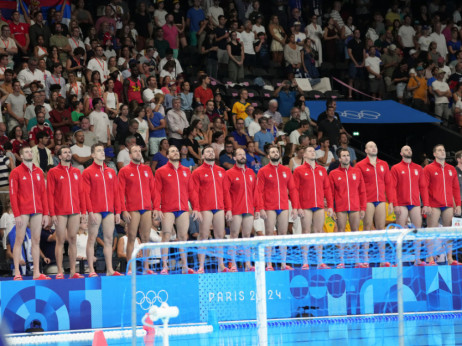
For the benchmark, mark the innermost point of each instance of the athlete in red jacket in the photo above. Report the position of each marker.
(29, 202)
(171, 204)
(347, 185)
(206, 187)
(241, 203)
(409, 188)
(444, 195)
(376, 175)
(136, 183)
(66, 200)
(275, 183)
(103, 202)
(313, 185)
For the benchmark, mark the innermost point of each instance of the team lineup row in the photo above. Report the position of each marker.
(237, 195)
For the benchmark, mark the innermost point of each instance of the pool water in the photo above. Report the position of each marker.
(433, 329)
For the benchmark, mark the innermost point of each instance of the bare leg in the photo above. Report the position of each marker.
(108, 233)
(247, 225)
(318, 223)
(416, 218)
(167, 230)
(36, 230)
(219, 232)
(92, 234)
(182, 226)
(354, 225)
(379, 221)
(17, 248)
(342, 218)
(73, 223)
(282, 224)
(204, 233)
(270, 222)
(306, 221)
(446, 218)
(235, 228)
(432, 221)
(131, 233)
(145, 231)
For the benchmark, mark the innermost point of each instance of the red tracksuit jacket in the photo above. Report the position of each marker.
(136, 187)
(172, 188)
(101, 189)
(66, 194)
(273, 184)
(348, 189)
(241, 191)
(28, 194)
(206, 187)
(409, 184)
(313, 186)
(443, 185)
(377, 180)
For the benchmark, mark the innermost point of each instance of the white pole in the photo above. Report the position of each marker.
(133, 307)
(399, 261)
(260, 279)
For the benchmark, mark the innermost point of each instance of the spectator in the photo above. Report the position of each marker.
(263, 136)
(226, 158)
(240, 138)
(222, 35)
(150, 91)
(292, 57)
(314, 32)
(47, 249)
(262, 50)
(442, 94)
(39, 29)
(390, 61)
(6, 165)
(278, 40)
(61, 116)
(60, 41)
(253, 159)
(372, 64)
(218, 142)
(41, 126)
(296, 133)
(247, 39)
(454, 44)
(440, 40)
(16, 106)
(240, 106)
(7, 220)
(17, 142)
(210, 51)
(160, 157)
(89, 136)
(133, 85)
(343, 143)
(330, 127)
(400, 79)
(193, 18)
(7, 44)
(56, 81)
(294, 122)
(123, 157)
(25, 263)
(357, 55)
(100, 123)
(297, 159)
(331, 35)
(97, 63)
(139, 115)
(286, 97)
(185, 159)
(176, 123)
(41, 155)
(215, 12)
(406, 35)
(203, 92)
(236, 58)
(324, 156)
(81, 153)
(31, 74)
(190, 141)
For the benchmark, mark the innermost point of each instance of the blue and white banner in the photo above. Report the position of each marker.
(372, 112)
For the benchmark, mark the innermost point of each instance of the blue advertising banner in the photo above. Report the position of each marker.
(372, 112)
(105, 301)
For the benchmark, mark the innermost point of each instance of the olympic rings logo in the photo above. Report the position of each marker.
(362, 114)
(148, 299)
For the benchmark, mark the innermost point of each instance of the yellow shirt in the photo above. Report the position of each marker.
(239, 109)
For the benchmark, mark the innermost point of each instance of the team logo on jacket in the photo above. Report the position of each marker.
(184, 173)
(436, 173)
(237, 178)
(381, 168)
(284, 175)
(219, 173)
(250, 177)
(320, 173)
(61, 177)
(76, 177)
(24, 178)
(38, 177)
(402, 172)
(450, 173)
(416, 172)
(145, 174)
(306, 173)
(110, 175)
(354, 176)
(206, 175)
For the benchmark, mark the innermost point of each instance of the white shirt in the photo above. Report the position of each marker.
(83, 151)
(149, 94)
(440, 43)
(26, 76)
(143, 128)
(75, 90)
(7, 222)
(299, 38)
(338, 18)
(258, 28)
(82, 245)
(30, 111)
(247, 39)
(98, 64)
(100, 121)
(294, 136)
(374, 63)
(178, 68)
(215, 12)
(320, 153)
(123, 157)
(440, 86)
(254, 127)
(74, 43)
(424, 43)
(446, 69)
(407, 34)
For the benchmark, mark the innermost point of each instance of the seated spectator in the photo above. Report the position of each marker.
(294, 122)
(417, 85)
(295, 134)
(297, 159)
(240, 106)
(252, 124)
(81, 153)
(185, 159)
(240, 138)
(343, 143)
(253, 159)
(41, 126)
(190, 134)
(226, 157)
(263, 137)
(47, 249)
(61, 117)
(203, 92)
(324, 156)
(41, 155)
(25, 263)
(330, 127)
(218, 142)
(16, 106)
(56, 81)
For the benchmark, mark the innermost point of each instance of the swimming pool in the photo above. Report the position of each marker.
(420, 329)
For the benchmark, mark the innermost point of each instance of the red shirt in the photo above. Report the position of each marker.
(203, 94)
(3, 140)
(376, 179)
(206, 187)
(101, 189)
(172, 188)
(241, 191)
(19, 31)
(66, 195)
(28, 194)
(57, 116)
(409, 184)
(275, 185)
(348, 189)
(36, 129)
(17, 145)
(134, 91)
(136, 184)
(313, 186)
(443, 185)
(170, 35)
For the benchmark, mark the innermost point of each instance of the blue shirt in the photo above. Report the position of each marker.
(155, 120)
(186, 101)
(253, 162)
(160, 159)
(226, 159)
(263, 138)
(240, 139)
(195, 16)
(189, 162)
(286, 101)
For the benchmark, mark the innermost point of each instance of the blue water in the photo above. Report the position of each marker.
(435, 329)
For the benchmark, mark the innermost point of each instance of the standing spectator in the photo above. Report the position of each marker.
(100, 123)
(41, 126)
(330, 127)
(372, 64)
(203, 92)
(357, 55)
(56, 81)
(81, 153)
(7, 44)
(286, 98)
(20, 32)
(89, 136)
(39, 29)
(406, 35)
(133, 85)
(214, 12)
(41, 155)
(292, 57)
(209, 49)
(263, 136)
(390, 62)
(400, 79)
(194, 16)
(222, 35)
(16, 106)
(176, 123)
(240, 106)
(248, 39)
(442, 94)
(278, 40)
(6, 165)
(61, 42)
(61, 117)
(331, 35)
(440, 40)
(171, 34)
(454, 44)
(97, 63)
(236, 58)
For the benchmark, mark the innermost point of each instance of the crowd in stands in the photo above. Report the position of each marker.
(218, 72)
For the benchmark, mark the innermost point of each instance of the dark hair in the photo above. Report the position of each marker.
(207, 146)
(324, 139)
(436, 146)
(79, 51)
(216, 135)
(162, 141)
(340, 150)
(41, 134)
(94, 146)
(304, 122)
(60, 150)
